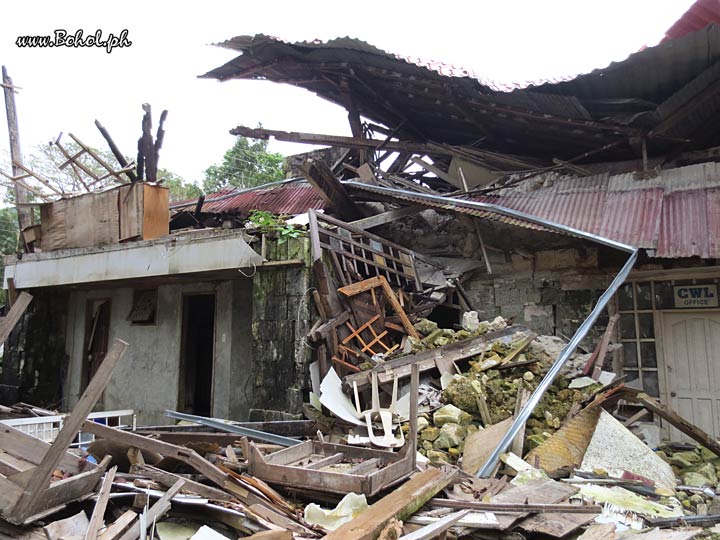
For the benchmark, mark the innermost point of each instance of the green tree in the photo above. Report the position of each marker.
(180, 190)
(246, 164)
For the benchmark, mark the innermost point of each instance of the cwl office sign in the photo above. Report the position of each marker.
(695, 296)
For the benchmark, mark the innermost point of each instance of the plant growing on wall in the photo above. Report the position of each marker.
(269, 223)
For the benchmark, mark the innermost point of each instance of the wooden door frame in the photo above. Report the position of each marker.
(84, 367)
(664, 382)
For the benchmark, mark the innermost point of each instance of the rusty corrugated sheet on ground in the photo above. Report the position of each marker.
(566, 447)
(293, 199)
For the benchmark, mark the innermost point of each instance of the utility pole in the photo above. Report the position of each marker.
(22, 196)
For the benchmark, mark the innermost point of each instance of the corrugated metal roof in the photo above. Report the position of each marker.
(676, 214)
(285, 199)
(442, 103)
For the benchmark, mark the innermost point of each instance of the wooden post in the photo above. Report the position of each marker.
(22, 195)
(96, 521)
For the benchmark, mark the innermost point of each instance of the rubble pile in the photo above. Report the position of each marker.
(481, 382)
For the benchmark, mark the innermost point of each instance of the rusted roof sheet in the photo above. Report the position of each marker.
(632, 217)
(285, 199)
(684, 226)
(697, 17)
(674, 215)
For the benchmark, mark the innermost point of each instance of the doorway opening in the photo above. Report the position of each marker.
(97, 337)
(197, 354)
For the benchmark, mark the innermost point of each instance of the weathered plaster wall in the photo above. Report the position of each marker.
(147, 378)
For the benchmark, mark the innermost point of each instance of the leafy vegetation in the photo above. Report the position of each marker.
(270, 223)
(246, 164)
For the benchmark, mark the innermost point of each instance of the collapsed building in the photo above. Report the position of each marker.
(443, 255)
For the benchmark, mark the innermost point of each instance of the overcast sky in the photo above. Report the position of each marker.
(65, 89)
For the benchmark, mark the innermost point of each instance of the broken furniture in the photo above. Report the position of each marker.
(338, 468)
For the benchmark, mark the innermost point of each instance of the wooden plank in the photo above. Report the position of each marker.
(384, 218)
(156, 212)
(676, 420)
(9, 321)
(71, 426)
(449, 178)
(117, 528)
(156, 511)
(504, 508)
(63, 491)
(599, 531)
(437, 528)
(168, 479)
(399, 504)
(183, 454)
(326, 461)
(31, 450)
(535, 492)
(365, 466)
(64, 528)
(556, 525)
(479, 445)
(96, 520)
(271, 535)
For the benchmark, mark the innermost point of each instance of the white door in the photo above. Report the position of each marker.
(691, 353)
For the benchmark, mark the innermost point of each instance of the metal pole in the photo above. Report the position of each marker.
(522, 417)
(222, 426)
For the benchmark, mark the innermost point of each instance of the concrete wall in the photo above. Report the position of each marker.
(550, 291)
(147, 378)
(261, 359)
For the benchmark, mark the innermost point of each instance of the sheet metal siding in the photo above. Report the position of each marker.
(633, 217)
(713, 215)
(284, 200)
(684, 226)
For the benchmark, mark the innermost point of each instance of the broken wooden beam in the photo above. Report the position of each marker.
(168, 479)
(401, 503)
(156, 511)
(511, 508)
(9, 321)
(321, 177)
(385, 217)
(335, 140)
(116, 151)
(40, 479)
(675, 420)
(96, 520)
